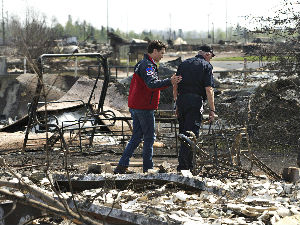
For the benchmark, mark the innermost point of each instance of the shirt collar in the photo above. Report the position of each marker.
(199, 56)
(152, 60)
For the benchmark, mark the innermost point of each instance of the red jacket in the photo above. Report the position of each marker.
(145, 86)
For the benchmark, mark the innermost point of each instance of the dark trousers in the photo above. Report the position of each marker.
(189, 117)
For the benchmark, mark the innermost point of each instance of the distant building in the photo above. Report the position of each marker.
(116, 42)
(71, 40)
(137, 49)
(179, 41)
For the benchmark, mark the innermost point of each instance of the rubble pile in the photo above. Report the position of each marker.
(240, 201)
(243, 202)
(275, 107)
(234, 92)
(16, 93)
(82, 90)
(268, 105)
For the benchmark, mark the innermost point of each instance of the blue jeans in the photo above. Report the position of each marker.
(143, 128)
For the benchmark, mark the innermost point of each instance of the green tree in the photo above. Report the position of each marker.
(132, 34)
(220, 35)
(83, 29)
(57, 28)
(69, 28)
(282, 30)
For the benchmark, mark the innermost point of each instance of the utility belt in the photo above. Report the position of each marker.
(191, 94)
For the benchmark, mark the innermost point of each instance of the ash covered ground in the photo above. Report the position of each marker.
(264, 103)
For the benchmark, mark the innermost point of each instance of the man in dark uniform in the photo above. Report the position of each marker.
(196, 86)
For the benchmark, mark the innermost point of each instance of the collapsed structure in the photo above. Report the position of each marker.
(223, 176)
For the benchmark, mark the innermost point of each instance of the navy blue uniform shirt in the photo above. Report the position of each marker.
(196, 74)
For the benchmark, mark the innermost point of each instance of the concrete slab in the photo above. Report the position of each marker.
(82, 182)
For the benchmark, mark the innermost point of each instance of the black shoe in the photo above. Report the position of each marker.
(122, 170)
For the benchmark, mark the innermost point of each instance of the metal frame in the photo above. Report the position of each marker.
(93, 115)
(101, 60)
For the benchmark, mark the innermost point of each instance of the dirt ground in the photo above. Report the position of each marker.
(79, 161)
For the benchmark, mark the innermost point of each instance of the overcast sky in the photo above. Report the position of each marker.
(139, 15)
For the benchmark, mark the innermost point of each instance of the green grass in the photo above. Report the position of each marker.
(124, 63)
(241, 58)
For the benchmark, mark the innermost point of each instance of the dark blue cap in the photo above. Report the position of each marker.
(206, 48)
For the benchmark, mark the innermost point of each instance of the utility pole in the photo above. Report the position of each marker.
(107, 22)
(208, 36)
(127, 25)
(213, 33)
(3, 25)
(170, 34)
(226, 20)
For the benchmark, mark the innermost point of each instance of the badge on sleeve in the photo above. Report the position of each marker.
(150, 71)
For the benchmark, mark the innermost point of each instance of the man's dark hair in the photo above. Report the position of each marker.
(156, 44)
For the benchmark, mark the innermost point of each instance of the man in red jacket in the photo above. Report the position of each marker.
(143, 99)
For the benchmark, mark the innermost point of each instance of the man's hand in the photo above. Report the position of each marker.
(175, 109)
(211, 115)
(175, 79)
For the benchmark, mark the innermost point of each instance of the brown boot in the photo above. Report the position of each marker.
(122, 170)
